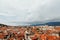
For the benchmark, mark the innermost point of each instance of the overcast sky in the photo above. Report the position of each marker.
(12, 11)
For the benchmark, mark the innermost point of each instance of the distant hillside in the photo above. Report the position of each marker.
(37, 24)
(40, 24)
(53, 23)
(49, 23)
(3, 25)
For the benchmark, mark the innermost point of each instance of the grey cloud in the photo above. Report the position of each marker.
(30, 10)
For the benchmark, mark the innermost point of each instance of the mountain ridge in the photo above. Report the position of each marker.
(38, 24)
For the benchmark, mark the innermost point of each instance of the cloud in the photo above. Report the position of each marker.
(29, 10)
